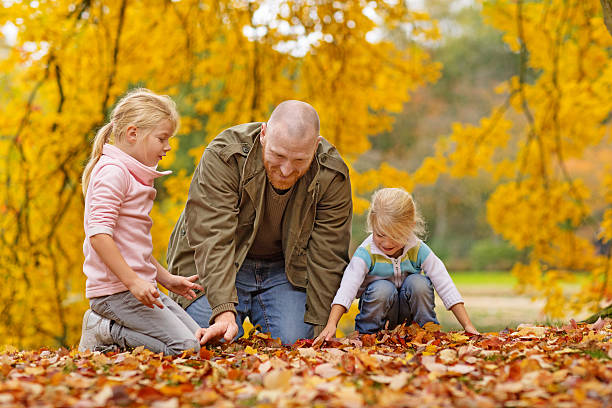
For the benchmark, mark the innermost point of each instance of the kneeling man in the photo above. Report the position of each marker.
(266, 227)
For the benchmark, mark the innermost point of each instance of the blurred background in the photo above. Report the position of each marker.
(494, 114)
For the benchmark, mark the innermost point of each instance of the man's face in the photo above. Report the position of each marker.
(286, 158)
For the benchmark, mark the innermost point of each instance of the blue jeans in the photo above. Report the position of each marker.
(382, 301)
(267, 298)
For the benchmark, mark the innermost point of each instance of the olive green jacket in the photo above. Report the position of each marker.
(224, 209)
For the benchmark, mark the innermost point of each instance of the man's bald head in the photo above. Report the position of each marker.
(296, 119)
(289, 139)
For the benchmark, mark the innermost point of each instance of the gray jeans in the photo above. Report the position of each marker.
(169, 330)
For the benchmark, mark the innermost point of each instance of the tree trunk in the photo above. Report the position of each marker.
(606, 5)
(607, 312)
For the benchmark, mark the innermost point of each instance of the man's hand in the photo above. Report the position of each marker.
(225, 326)
(183, 286)
(146, 293)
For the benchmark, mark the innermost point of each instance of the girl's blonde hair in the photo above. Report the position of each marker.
(394, 214)
(140, 108)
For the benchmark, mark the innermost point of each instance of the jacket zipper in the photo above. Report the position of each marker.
(397, 271)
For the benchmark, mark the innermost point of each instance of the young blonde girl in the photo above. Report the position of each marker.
(127, 308)
(385, 272)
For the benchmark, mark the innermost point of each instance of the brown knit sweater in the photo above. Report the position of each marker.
(268, 241)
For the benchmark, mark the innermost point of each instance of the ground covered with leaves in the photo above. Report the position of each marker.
(409, 366)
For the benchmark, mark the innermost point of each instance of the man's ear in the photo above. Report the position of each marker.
(319, 138)
(262, 134)
(131, 134)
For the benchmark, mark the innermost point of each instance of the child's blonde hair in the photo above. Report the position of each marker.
(394, 214)
(140, 108)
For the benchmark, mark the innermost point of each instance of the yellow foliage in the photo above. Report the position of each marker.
(346, 325)
(539, 205)
(221, 62)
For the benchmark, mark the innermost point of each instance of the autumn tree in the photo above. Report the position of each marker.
(557, 109)
(224, 61)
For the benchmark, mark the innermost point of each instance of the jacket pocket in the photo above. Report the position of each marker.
(299, 268)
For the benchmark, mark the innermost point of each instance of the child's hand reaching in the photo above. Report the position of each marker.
(463, 318)
(180, 285)
(183, 286)
(327, 334)
(146, 293)
(332, 323)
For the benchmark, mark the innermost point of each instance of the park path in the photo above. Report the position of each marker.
(494, 308)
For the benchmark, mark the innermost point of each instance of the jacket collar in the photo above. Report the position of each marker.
(142, 173)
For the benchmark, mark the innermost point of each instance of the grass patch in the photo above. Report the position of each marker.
(503, 278)
(597, 354)
(484, 278)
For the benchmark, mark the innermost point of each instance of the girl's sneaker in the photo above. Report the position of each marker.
(95, 331)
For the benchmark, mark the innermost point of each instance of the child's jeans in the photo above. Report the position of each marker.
(381, 301)
(169, 330)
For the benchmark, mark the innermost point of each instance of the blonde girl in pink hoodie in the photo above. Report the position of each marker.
(127, 309)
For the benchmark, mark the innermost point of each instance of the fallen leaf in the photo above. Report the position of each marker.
(327, 370)
(461, 368)
(265, 367)
(458, 337)
(277, 379)
(448, 356)
(307, 352)
(432, 327)
(206, 354)
(429, 362)
(528, 330)
(170, 403)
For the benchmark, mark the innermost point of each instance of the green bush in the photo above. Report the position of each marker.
(493, 255)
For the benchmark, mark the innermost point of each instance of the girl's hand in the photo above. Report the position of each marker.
(184, 286)
(146, 293)
(327, 334)
(463, 318)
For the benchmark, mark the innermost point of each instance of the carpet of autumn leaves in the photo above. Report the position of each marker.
(409, 366)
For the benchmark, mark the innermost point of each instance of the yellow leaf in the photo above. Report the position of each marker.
(277, 379)
(457, 337)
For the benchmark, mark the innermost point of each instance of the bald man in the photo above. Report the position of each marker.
(266, 228)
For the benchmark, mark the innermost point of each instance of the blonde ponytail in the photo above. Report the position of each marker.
(101, 138)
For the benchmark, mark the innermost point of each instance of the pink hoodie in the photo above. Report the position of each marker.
(118, 202)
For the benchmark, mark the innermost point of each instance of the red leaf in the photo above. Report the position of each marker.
(206, 354)
(368, 340)
(149, 393)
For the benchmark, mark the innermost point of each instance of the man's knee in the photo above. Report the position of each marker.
(200, 311)
(305, 332)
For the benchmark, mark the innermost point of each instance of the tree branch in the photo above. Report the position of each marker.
(113, 73)
(606, 6)
(522, 73)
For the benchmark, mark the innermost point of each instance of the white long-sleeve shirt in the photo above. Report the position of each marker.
(369, 263)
